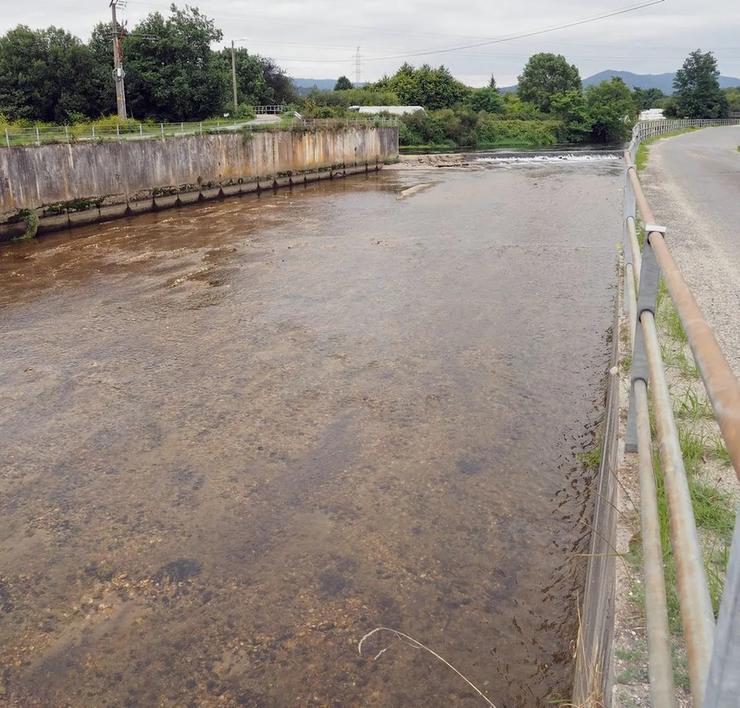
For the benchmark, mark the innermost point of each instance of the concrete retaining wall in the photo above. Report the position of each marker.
(60, 182)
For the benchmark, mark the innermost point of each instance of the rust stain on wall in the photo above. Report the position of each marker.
(35, 177)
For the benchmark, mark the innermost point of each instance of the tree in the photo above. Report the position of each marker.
(611, 111)
(573, 112)
(492, 82)
(646, 98)
(343, 84)
(546, 75)
(259, 80)
(431, 88)
(176, 76)
(45, 75)
(696, 88)
(486, 99)
(101, 49)
(733, 98)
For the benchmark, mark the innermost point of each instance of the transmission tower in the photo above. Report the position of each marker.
(357, 68)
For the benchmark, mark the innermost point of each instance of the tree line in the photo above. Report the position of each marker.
(172, 73)
(548, 106)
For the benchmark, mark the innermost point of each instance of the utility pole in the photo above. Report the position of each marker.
(233, 78)
(357, 68)
(118, 72)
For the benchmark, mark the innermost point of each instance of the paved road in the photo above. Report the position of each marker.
(693, 184)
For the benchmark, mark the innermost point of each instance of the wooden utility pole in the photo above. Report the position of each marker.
(233, 78)
(118, 72)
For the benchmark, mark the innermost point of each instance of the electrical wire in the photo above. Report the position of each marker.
(488, 42)
(522, 35)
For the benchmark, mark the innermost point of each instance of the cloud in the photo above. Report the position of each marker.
(319, 39)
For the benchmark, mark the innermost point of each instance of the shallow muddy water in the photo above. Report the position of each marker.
(238, 437)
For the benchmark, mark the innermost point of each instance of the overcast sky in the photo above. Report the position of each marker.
(318, 38)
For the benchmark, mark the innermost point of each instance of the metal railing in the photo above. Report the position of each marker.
(711, 649)
(130, 130)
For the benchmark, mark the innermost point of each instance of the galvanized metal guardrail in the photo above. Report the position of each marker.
(129, 130)
(713, 649)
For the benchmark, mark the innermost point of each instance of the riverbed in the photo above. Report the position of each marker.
(240, 436)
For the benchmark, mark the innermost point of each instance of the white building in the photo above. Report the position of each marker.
(652, 114)
(393, 110)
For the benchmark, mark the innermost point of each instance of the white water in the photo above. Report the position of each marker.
(553, 157)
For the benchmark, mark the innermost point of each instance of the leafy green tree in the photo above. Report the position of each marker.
(514, 107)
(486, 99)
(492, 82)
(570, 108)
(696, 88)
(343, 84)
(175, 76)
(101, 48)
(733, 98)
(546, 75)
(611, 111)
(431, 88)
(259, 80)
(647, 98)
(45, 75)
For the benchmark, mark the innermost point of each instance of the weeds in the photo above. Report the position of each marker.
(591, 459)
(693, 407)
(719, 451)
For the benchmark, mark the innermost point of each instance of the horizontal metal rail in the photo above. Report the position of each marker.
(648, 373)
(660, 666)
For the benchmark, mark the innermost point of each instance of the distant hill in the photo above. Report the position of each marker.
(308, 84)
(664, 82)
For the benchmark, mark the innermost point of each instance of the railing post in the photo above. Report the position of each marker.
(38, 137)
(141, 129)
(723, 684)
(7, 138)
(161, 128)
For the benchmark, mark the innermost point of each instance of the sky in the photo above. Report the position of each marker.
(319, 38)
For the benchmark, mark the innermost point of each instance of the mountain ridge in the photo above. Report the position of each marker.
(664, 82)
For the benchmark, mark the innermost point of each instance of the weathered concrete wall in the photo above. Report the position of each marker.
(114, 173)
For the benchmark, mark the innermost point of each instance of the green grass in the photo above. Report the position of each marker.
(591, 459)
(713, 510)
(693, 448)
(720, 452)
(671, 321)
(693, 407)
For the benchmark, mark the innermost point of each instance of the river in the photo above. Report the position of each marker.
(239, 436)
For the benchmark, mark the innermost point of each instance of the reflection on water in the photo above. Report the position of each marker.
(240, 436)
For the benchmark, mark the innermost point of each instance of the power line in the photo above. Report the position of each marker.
(488, 42)
(522, 35)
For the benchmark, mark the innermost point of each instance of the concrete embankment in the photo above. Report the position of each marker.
(56, 186)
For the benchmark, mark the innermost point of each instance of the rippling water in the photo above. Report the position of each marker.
(237, 437)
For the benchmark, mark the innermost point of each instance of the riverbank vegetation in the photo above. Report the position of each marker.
(173, 74)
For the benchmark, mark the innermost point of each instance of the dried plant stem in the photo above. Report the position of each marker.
(418, 645)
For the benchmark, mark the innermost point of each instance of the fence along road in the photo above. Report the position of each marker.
(267, 117)
(713, 651)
